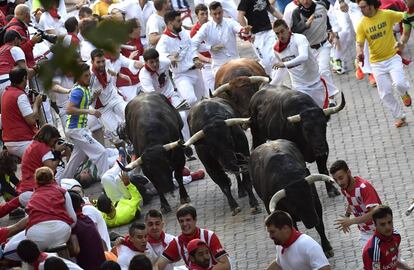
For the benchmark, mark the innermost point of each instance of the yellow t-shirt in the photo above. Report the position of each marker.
(377, 30)
(101, 7)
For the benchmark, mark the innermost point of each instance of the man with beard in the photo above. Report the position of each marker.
(157, 238)
(382, 249)
(199, 255)
(178, 248)
(294, 250)
(362, 199)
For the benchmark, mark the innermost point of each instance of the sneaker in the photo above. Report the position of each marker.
(372, 80)
(400, 122)
(358, 73)
(406, 99)
(197, 175)
(336, 64)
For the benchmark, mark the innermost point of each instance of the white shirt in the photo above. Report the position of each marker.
(125, 255)
(47, 22)
(24, 105)
(159, 249)
(149, 81)
(301, 64)
(65, 82)
(214, 34)
(155, 24)
(287, 14)
(133, 10)
(100, 224)
(304, 254)
(85, 50)
(183, 46)
(69, 264)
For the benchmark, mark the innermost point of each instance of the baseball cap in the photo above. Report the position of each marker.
(194, 244)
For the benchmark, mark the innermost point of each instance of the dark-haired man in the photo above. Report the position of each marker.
(362, 199)
(376, 27)
(199, 254)
(294, 250)
(382, 251)
(17, 115)
(156, 24)
(177, 249)
(157, 238)
(293, 55)
(135, 243)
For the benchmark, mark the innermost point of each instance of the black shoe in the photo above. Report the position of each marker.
(17, 213)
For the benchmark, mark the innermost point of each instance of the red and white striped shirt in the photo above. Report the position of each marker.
(361, 199)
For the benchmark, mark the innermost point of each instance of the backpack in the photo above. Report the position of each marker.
(3, 31)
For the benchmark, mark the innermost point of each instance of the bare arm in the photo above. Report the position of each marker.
(154, 38)
(241, 18)
(360, 52)
(223, 263)
(274, 266)
(404, 39)
(161, 263)
(17, 227)
(275, 12)
(59, 89)
(71, 109)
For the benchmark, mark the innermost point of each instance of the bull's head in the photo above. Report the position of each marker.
(239, 91)
(218, 136)
(299, 198)
(313, 124)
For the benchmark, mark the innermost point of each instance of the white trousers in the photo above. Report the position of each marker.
(208, 78)
(131, 91)
(49, 233)
(85, 147)
(316, 91)
(9, 251)
(113, 185)
(323, 56)
(17, 148)
(389, 74)
(175, 100)
(113, 114)
(190, 85)
(263, 47)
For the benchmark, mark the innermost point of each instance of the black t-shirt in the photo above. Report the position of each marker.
(256, 14)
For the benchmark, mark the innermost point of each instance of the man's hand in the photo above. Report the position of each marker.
(124, 178)
(217, 47)
(94, 112)
(343, 224)
(360, 58)
(174, 59)
(399, 46)
(38, 100)
(138, 64)
(343, 6)
(279, 65)
(36, 38)
(198, 64)
(309, 21)
(247, 29)
(333, 39)
(133, 54)
(125, 77)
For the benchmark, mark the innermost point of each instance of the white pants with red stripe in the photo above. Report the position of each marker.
(87, 147)
(316, 91)
(389, 74)
(263, 47)
(113, 114)
(49, 234)
(323, 57)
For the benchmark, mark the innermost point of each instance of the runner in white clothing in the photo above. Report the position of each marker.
(220, 35)
(156, 25)
(293, 55)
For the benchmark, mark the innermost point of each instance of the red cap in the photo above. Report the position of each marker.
(194, 244)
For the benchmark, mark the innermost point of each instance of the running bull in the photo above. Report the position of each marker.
(237, 81)
(221, 145)
(280, 113)
(282, 181)
(153, 126)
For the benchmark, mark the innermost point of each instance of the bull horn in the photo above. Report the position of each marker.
(294, 118)
(318, 177)
(172, 145)
(220, 89)
(134, 164)
(259, 79)
(276, 198)
(236, 121)
(196, 137)
(337, 108)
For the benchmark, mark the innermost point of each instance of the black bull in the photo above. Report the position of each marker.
(222, 148)
(278, 165)
(278, 113)
(151, 122)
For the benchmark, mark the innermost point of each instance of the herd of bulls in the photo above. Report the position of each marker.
(243, 98)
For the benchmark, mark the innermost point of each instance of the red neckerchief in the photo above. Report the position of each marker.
(128, 243)
(138, 47)
(101, 76)
(171, 34)
(54, 13)
(110, 57)
(152, 240)
(42, 257)
(293, 237)
(410, 10)
(150, 70)
(194, 266)
(280, 46)
(75, 39)
(195, 29)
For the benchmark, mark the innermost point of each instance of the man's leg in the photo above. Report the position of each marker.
(185, 87)
(112, 184)
(325, 69)
(264, 49)
(397, 73)
(208, 78)
(384, 86)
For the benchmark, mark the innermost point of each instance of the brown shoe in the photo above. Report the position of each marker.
(400, 123)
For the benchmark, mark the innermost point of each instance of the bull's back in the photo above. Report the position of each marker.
(238, 67)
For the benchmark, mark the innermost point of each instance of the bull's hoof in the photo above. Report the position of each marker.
(165, 209)
(185, 200)
(235, 211)
(329, 253)
(241, 193)
(255, 210)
